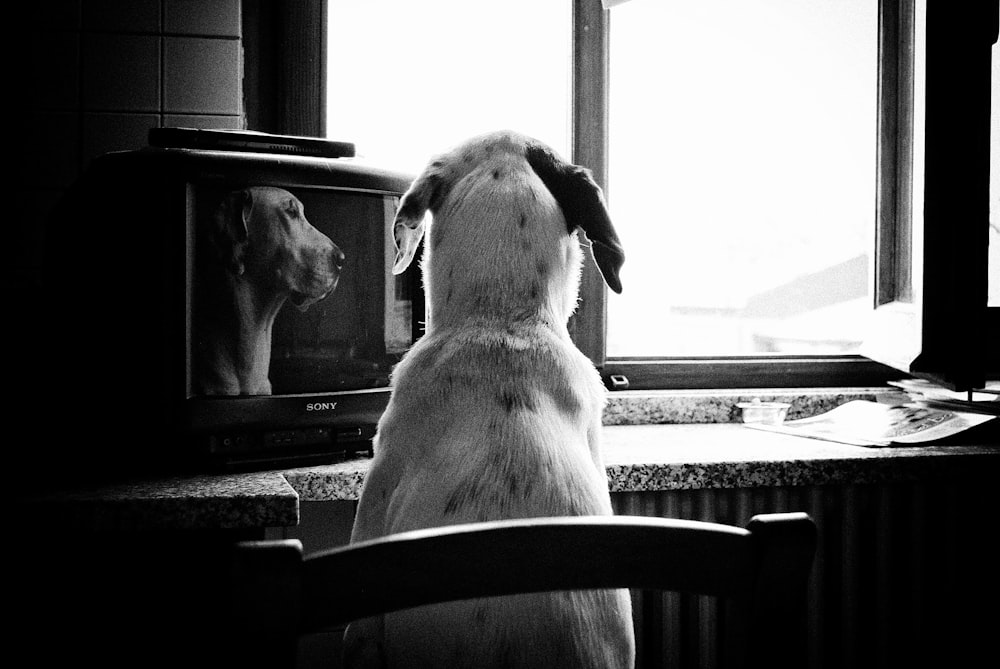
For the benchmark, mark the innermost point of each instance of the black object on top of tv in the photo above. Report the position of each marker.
(248, 141)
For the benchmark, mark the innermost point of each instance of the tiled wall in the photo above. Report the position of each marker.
(101, 73)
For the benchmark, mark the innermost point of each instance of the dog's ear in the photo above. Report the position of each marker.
(408, 227)
(582, 203)
(232, 220)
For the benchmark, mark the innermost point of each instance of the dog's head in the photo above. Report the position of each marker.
(262, 234)
(503, 235)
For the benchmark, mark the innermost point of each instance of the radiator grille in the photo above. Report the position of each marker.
(900, 578)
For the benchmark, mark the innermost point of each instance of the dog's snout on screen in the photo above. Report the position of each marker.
(337, 258)
(330, 257)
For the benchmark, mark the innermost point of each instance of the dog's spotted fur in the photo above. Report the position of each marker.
(494, 413)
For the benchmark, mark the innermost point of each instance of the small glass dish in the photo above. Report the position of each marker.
(768, 413)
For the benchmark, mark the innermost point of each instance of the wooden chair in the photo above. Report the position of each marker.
(278, 595)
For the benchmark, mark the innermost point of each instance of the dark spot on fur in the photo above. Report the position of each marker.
(542, 268)
(498, 457)
(495, 425)
(535, 290)
(447, 384)
(460, 497)
(483, 298)
(523, 222)
(566, 398)
(520, 488)
(508, 401)
(515, 399)
(496, 174)
(512, 486)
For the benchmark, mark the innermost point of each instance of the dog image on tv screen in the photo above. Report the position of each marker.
(256, 250)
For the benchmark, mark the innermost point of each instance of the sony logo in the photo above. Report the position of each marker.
(321, 406)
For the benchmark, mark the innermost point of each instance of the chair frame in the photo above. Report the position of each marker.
(278, 595)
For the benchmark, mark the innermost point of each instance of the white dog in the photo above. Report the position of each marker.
(494, 413)
(259, 252)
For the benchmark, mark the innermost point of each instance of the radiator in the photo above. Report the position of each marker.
(903, 576)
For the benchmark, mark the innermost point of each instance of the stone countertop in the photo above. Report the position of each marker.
(678, 457)
(208, 502)
(672, 407)
(637, 457)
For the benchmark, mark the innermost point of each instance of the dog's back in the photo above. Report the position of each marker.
(503, 445)
(493, 425)
(494, 413)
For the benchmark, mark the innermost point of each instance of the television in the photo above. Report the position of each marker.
(224, 305)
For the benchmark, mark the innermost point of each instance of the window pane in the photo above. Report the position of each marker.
(408, 79)
(994, 258)
(742, 175)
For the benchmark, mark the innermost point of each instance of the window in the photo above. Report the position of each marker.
(742, 175)
(933, 316)
(761, 161)
(408, 80)
(994, 235)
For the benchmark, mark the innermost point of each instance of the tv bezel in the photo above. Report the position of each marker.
(256, 431)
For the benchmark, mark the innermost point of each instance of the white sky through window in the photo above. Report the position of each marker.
(408, 80)
(743, 139)
(742, 147)
(994, 234)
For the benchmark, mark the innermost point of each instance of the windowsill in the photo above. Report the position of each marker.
(645, 407)
(652, 441)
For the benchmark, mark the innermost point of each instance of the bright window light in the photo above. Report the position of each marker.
(994, 234)
(408, 80)
(742, 175)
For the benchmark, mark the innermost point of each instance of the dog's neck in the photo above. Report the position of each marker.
(477, 303)
(235, 347)
(461, 290)
(452, 304)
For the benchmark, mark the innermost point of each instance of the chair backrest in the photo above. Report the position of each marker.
(278, 595)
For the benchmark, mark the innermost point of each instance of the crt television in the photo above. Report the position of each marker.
(226, 305)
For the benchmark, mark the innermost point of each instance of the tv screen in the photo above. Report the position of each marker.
(223, 310)
(346, 334)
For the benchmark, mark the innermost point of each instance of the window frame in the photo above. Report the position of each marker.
(932, 318)
(925, 332)
(940, 355)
